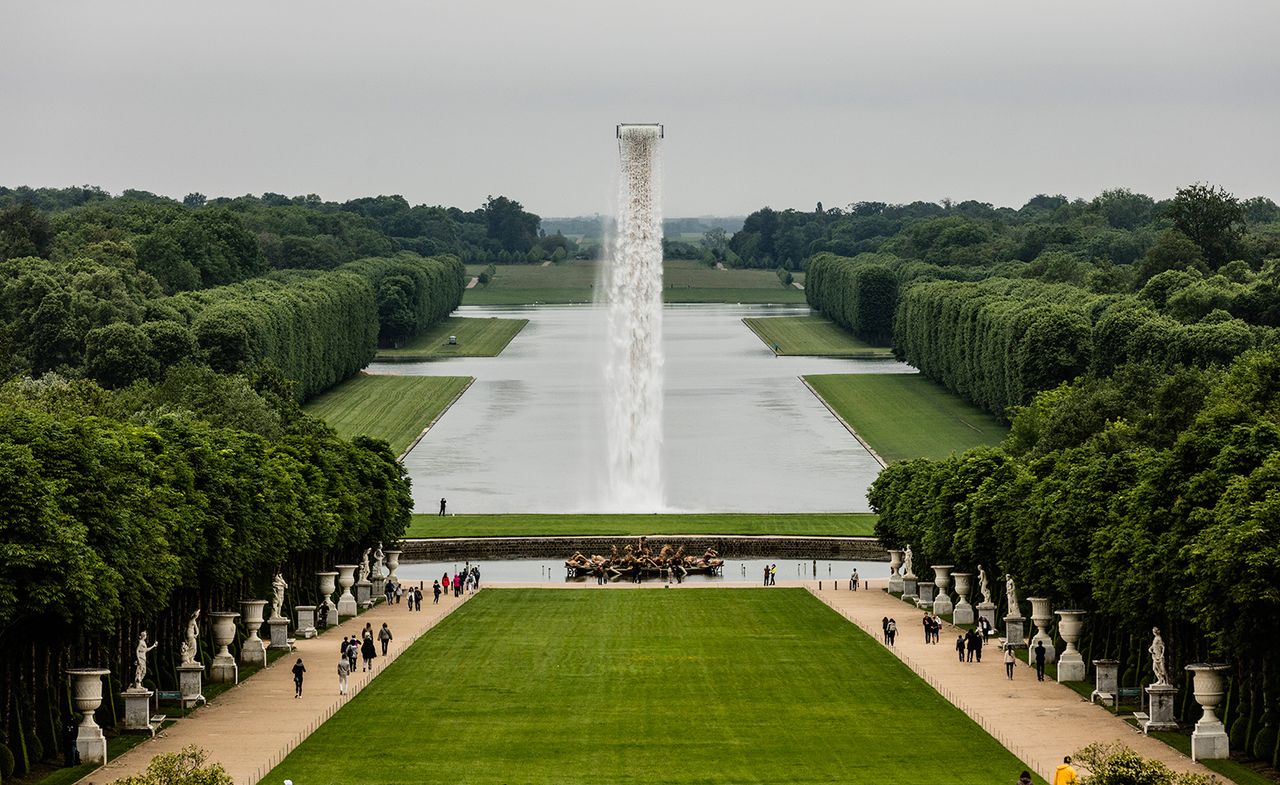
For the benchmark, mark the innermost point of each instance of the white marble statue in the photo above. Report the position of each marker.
(140, 671)
(1157, 657)
(1011, 595)
(906, 562)
(277, 595)
(193, 632)
(365, 574)
(984, 588)
(378, 556)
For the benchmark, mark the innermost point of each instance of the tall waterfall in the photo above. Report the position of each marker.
(633, 367)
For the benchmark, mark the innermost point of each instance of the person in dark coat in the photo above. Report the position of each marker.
(1039, 652)
(298, 670)
(368, 651)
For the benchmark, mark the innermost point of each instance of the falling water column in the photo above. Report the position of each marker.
(633, 368)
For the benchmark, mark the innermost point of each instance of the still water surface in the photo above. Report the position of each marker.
(741, 431)
(553, 571)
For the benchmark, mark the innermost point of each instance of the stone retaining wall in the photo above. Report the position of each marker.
(729, 546)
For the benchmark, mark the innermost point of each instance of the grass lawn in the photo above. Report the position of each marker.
(395, 408)
(817, 524)
(646, 686)
(905, 416)
(476, 338)
(812, 336)
(574, 282)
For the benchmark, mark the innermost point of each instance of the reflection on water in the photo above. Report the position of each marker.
(551, 571)
(741, 433)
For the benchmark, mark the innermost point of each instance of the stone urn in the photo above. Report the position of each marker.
(942, 581)
(223, 669)
(328, 584)
(963, 612)
(1071, 665)
(393, 564)
(1041, 616)
(347, 579)
(1209, 738)
(253, 651)
(895, 580)
(86, 693)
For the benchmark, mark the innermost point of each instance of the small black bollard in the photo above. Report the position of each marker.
(819, 585)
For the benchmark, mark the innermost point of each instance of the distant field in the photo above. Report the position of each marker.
(812, 524)
(905, 416)
(394, 408)
(639, 686)
(812, 336)
(574, 282)
(476, 338)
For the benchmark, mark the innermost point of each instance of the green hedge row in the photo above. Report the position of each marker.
(413, 292)
(859, 295)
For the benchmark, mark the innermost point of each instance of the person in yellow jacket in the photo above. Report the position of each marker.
(1064, 774)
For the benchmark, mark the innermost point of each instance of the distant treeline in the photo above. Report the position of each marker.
(595, 227)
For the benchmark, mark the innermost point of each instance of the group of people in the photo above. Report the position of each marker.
(971, 644)
(362, 648)
(770, 574)
(889, 627)
(932, 627)
(468, 580)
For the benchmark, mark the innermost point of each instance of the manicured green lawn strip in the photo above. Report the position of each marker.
(574, 282)
(812, 524)
(476, 338)
(904, 416)
(394, 408)
(812, 336)
(646, 686)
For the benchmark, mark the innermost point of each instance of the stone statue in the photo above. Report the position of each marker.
(1157, 657)
(140, 671)
(1011, 595)
(189, 645)
(984, 588)
(906, 563)
(378, 556)
(277, 595)
(364, 567)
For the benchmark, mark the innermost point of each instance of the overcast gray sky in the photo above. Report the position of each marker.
(782, 103)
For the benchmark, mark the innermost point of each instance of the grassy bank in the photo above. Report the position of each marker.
(476, 338)
(395, 408)
(811, 524)
(574, 282)
(813, 336)
(647, 686)
(905, 416)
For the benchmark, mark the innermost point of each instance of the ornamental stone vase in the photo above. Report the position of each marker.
(942, 580)
(86, 692)
(895, 579)
(1209, 738)
(393, 564)
(253, 651)
(1041, 615)
(1071, 665)
(963, 612)
(223, 669)
(1106, 680)
(347, 579)
(328, 583)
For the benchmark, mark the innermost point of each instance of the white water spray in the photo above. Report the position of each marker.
(633, 368)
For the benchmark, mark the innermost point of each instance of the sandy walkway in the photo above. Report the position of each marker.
(1038, 721)
(250, 728)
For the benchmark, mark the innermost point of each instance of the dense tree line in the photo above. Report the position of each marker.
(1148, 498)
(122, 511)
(412, 293)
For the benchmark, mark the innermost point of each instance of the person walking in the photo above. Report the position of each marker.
(978, 643)
(1039, 652)
(298, 670)
(1064, 774)
(1008, 661)
(960, 647)
(884, 628)
(435, 590)
(368, 652)
(445, 582)
(384, 635)
(773, 574)
(353, 651)
(342, 650)
(1025, 779)
(442, 503)
(937, 628)
(344, 670)
(854, 580)
(766, 575)
(417, 598)
(399, 592)
(892, 630)
(927, 621)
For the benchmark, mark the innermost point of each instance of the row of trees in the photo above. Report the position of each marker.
(125, 511)
(1147, 498)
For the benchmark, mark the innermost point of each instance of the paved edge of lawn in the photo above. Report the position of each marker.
(867, 354)
(601, 525)
(883, 463)
(470, 381)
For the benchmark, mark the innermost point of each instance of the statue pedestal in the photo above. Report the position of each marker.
(1106, 680)
(137, 709)
(909, 587)
(926, 592)
(253, 652)
(191, 684)
(279, 633)
(379, 587)
(364, 594)
(224, 670)
(306, 627)
(1210, 740)
(962, 614)
(91, 745)
(1015, 629)
(1160, 699)
(942, 605)
(895, 584)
